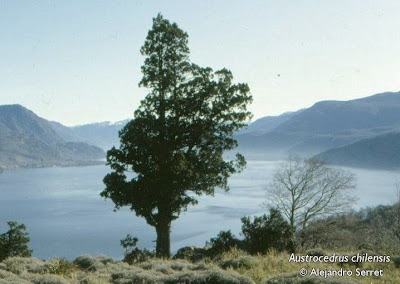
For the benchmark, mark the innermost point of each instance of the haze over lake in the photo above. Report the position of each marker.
(66, 217)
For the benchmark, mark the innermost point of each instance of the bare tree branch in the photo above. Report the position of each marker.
(307, 189)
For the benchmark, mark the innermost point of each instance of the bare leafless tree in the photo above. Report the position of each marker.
(305, 189)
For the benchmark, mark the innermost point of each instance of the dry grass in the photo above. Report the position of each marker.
(230, 268)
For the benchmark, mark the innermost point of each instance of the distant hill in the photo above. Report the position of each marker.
(382, 151)
(102, 134)
(66, 133)
(26, 140)
(268, 123)
(325, 125)
(307, 132)
(380, 110)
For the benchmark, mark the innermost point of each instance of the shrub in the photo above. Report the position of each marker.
(20, 265)
(91, 279)
(45, 279)
(9, 277)
(60, 266)
(225, 241)
(84, 262)
(177, 272)
(14, 242)
(104, 260)
(396, 261)
(191, 253)
(247, 262)
(267, 232)
(132, 253)
(294, 278)
(316, 252)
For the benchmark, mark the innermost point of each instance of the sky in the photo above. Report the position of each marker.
(78, 62)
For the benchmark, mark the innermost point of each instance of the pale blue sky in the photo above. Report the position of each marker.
(78, 61)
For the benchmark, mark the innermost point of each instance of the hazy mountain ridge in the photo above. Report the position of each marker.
(327, 125)
(101, 134)
(26, 140)
(382, 151)
(268, 123)
(379, 110)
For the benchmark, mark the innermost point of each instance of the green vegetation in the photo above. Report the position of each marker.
(261, 234)
(14, 242)
(267, 232)
(345, 234)
(175, 145)
(232, 267)
(132, 253)
(176, 141)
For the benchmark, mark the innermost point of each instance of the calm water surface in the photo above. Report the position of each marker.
(66, 217)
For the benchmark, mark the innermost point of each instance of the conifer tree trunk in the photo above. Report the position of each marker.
(163, 247)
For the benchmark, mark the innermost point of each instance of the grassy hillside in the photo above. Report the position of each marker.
(373, 232)
(234, 267)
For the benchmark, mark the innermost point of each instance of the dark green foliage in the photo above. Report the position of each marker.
(225, 241)
(176, 141)
(267, 232)
(15, 241)
(132, 253)
(84, 262)
(192, 253)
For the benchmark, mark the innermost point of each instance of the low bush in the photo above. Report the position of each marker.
(264, 233)
(246, 262)
(192, 253)
(132, 253)
(396, 261)
(316, 252)
(295, 278)
(9, 277)
(84, 262)
(19, 265)
(225, 241)
(45, 279)
(177, 272)
(60, 266)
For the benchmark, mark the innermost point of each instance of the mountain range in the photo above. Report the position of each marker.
(27, 141)
(382, 151)
(326, 125)
(362, 132)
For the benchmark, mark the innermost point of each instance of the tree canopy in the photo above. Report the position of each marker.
(305, 189)
(15, 241)
(176, 141)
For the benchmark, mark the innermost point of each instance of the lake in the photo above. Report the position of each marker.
(66, 217)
